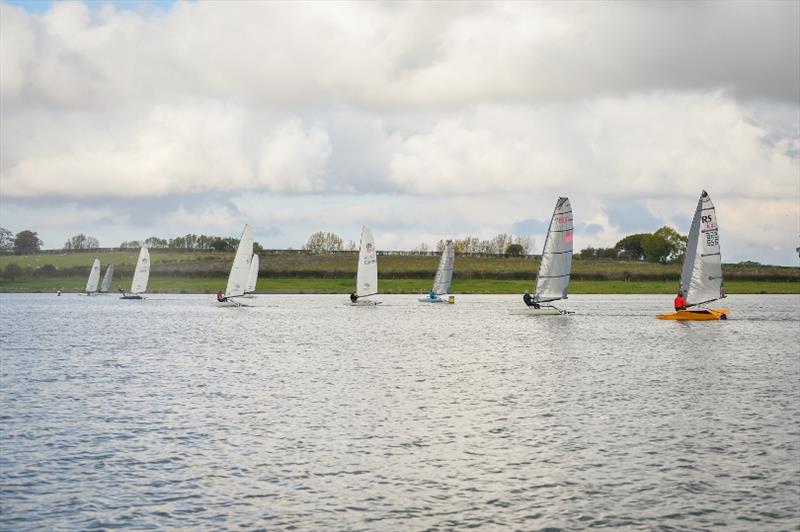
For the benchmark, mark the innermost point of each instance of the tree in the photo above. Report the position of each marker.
(27, 242)
(677, 243)
(320, 242)
(422, 248)
(351, 246)
(156, 243)
(630, 247)
(132, 244)
(515, 249)
(656, 248)
(6, 239)
(81, 241)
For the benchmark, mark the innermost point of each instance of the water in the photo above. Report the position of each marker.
(307, 413)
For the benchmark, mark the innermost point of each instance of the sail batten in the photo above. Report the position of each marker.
(367, 276)
(240, 270)
(552, 282)
(94, 277)
(444, 273)
(701, 275)
(142, 273)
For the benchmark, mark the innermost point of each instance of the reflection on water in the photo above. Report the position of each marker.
(305, 412)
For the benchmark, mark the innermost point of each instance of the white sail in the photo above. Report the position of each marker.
(237, 280)
(367, 277)
(252, 277)
(553, 279)
(701, 277)
(444, 274)
(107, 278)
(142, 272)
(94, 277)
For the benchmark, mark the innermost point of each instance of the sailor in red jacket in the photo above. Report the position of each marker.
(680, 303)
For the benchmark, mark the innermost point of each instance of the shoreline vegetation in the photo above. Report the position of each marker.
(287, 271)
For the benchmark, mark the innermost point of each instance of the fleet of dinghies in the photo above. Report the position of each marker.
(701, 275)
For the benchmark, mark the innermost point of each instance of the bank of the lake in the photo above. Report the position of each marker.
(306, 285)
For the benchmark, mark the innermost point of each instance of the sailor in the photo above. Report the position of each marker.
(221, 297)
(529, 301)
(680, 303)
(431, 294)
(353, 297)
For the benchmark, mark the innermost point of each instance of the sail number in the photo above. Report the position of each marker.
(712, 238)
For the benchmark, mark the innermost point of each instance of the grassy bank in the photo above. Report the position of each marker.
(301, 285)
(288, 271)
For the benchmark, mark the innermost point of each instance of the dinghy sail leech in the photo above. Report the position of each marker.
(107, 278)
(240, 270)
(367, 275)
(552, 281)
(444, 275)
(701, 275)
(140, 276)
(94, 277)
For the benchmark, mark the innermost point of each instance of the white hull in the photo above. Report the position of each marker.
(429, 300)
(549, 311)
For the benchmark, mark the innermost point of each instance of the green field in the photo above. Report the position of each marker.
(297, 272)
(305, 285)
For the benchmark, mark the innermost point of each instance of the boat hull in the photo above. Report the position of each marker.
(549, 311)
(364, 303)
(696, 315)
(429, 300)
(131, 296)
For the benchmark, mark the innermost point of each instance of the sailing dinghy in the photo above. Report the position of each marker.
(140, 276)
(552, 282)
(94, 278)
(367, 276)
(240, 270)
(107, 278)
(701, 276)
(252, 278)
(444, 275)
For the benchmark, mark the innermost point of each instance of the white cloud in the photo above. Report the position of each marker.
(423, 119)
(295, 160)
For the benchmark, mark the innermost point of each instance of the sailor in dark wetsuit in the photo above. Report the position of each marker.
(353, 297)
(529, 301)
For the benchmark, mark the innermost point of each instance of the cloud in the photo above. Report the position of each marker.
(424, 120)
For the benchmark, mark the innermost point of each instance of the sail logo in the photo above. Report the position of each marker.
(708, 222)
(712, 239)
(370, 248)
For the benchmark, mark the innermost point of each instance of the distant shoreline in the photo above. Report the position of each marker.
(301, 285)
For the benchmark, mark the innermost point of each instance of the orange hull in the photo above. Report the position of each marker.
(696, 315)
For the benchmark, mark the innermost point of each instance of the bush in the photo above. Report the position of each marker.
(48, 270)
(13, 270)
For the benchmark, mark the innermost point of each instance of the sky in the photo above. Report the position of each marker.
(423, 120)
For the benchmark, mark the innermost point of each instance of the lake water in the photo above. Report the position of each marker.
(306, 413)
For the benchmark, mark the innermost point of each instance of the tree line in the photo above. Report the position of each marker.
(322, 242)
(665, 245)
